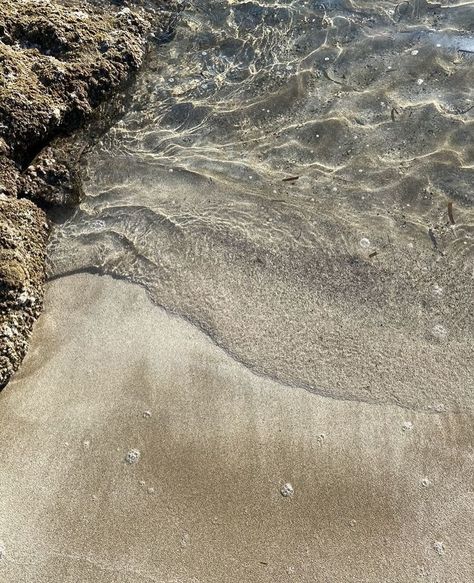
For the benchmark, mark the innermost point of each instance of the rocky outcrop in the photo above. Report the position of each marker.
(23, 235)
(59, 61)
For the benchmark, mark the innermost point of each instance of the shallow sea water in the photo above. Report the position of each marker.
(295, 178)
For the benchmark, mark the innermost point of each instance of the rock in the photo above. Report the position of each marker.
(59, 61)
(23, 236)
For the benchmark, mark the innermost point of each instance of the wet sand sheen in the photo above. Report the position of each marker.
(381, 493)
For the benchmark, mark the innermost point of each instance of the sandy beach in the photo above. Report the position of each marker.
(253, 226)
(134, 449)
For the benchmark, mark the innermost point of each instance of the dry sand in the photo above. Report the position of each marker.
(381, 493)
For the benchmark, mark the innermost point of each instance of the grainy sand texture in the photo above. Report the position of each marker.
(134, 449)
(255, 363)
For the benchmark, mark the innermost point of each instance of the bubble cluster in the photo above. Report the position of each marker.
(132, 456)
(287, 490)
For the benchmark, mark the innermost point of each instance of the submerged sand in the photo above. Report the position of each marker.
(381, 493)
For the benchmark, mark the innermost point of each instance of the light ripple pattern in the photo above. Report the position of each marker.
(282, 180)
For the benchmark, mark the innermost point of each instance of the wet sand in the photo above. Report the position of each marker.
(381, 493)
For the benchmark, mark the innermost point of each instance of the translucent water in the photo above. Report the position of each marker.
(282, 180)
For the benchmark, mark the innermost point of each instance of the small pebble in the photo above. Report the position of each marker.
(353, 523)
(150, 490)
(86, 444)
(425, 482)
(287, 490)
(419, 82)
(439, 547)
(146, 414)
(407, 426)
(414, 53)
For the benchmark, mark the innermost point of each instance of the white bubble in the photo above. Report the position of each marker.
(426, 483)
(419, 81)
(132, 456)
(287, 490)
(439, 547)
(414, 52)
(364, 243)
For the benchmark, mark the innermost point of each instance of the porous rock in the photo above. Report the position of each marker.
(59, 61)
